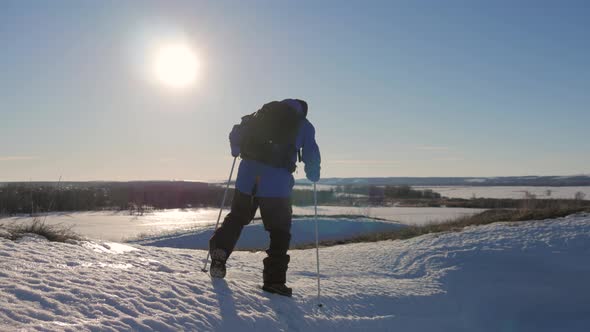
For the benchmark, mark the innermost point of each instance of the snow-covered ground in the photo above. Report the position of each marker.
(120, 226)
(499, 277)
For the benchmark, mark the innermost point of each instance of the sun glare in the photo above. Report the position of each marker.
(176, 65)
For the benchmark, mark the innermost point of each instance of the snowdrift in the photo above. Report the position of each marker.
(501, 277)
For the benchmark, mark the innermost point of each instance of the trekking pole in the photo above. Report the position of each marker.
(221, 209)
(317, 242)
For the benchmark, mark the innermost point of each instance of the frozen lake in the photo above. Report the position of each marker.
(404, 215)
(516, 192)
(120, 226)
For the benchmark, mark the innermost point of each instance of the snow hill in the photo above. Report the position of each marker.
(500, 277)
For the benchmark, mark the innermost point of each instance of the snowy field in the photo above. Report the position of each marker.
(516, 192)
(499, 277)
(509, 192)
(120, 226)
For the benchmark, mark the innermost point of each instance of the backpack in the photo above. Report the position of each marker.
(269, 135)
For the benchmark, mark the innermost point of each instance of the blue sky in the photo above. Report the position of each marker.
(395, 88)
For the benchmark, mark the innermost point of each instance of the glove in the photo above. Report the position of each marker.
(235, 138)
(235, 150)
(312, 173)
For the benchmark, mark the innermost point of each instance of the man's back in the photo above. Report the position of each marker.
(262, 180)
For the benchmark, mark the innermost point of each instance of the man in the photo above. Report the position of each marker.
(265, 181)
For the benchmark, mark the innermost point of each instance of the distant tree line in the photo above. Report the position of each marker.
(544, 181)
(137, 197)
(408, 192)
(389, 191)
(25, 198)
(303, 197)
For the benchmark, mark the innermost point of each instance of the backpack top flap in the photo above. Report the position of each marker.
(277, 123)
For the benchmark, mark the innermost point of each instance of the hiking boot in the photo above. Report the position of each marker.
(280, 289)
(218, 258)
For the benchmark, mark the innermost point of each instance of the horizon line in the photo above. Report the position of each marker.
(304, 179)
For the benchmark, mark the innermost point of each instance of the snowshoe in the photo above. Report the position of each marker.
(280, 289)
(218, 258)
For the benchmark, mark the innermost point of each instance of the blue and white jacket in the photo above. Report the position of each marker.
(272, 181)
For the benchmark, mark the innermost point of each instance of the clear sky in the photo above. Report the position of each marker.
(395, 88)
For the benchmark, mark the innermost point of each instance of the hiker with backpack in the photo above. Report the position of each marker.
(270, 142)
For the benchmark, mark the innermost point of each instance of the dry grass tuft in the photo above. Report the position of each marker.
(54, 233)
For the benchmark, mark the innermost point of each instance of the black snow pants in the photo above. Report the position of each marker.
(276, 215)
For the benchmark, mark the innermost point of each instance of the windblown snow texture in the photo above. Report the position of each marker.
(500, 277)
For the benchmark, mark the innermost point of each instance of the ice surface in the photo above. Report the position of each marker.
(509, 192)
(404, 215)
(566, 192)
(120, 226)
(255, 237)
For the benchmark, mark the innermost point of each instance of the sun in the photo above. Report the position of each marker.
(176, 65)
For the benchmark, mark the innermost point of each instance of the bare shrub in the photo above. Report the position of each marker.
(54, 233)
